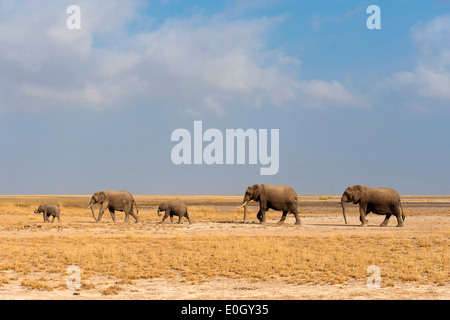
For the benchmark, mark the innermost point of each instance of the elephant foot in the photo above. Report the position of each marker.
(280, 222)
(383, 225)
(400, 225)
(363, 225)
(298, 223)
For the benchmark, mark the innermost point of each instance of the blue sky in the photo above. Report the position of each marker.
(92, 109)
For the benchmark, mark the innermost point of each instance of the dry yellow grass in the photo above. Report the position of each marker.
(300, 260)
(41, 285)
(129, 252)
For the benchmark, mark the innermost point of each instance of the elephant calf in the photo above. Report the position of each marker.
(48, 210)
(383, 201)
(173, 208)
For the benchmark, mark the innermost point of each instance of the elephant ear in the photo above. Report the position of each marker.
(359, 192)
(101, 196)
(163, 206)
(259, 193)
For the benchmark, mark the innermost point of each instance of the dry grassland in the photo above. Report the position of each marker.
(151, 260)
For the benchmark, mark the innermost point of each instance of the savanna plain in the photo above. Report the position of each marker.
(218, 256)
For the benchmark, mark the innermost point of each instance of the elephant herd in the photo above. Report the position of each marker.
(383, 201)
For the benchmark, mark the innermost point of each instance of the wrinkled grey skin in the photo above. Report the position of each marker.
(384, 201)
(114, 201)
(48, 210)
(279, 198)
(173, 208)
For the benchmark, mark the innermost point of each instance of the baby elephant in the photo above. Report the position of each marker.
(173, 208)
(49, 210)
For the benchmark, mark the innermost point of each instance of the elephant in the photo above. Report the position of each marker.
(173, 208)
(49, 210)
(383, 201)
(279, 198)
(114, 201)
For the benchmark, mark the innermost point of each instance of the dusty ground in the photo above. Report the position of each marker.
(426, 217)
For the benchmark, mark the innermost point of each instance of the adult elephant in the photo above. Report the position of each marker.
(279, 198)
(384, 201)
(114, 201)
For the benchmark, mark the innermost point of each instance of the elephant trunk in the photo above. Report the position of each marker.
(343, 205)
(92, 210)
(245, 207)
(159, 213)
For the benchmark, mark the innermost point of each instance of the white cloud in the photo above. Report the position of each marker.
(428, 84)
(196, 64)
(322, 93)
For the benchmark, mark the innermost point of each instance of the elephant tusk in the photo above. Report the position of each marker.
(90, 206)
(243, 204)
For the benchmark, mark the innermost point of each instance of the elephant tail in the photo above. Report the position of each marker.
(401, 207)
(187, 216)
(135, 207)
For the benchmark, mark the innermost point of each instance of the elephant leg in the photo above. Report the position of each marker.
(259, 216)
(187, 217)
(53, 219)
(400, 221)
(297, 218)
(179, 218)
(398, 215)
(283, 217)
(171, 218)
(45, 216)
(126, 210)
(362, 216)
(386, 220)
(135, 216)
(264, 210)
(101, 211)
(113, 215)
(166, 214)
